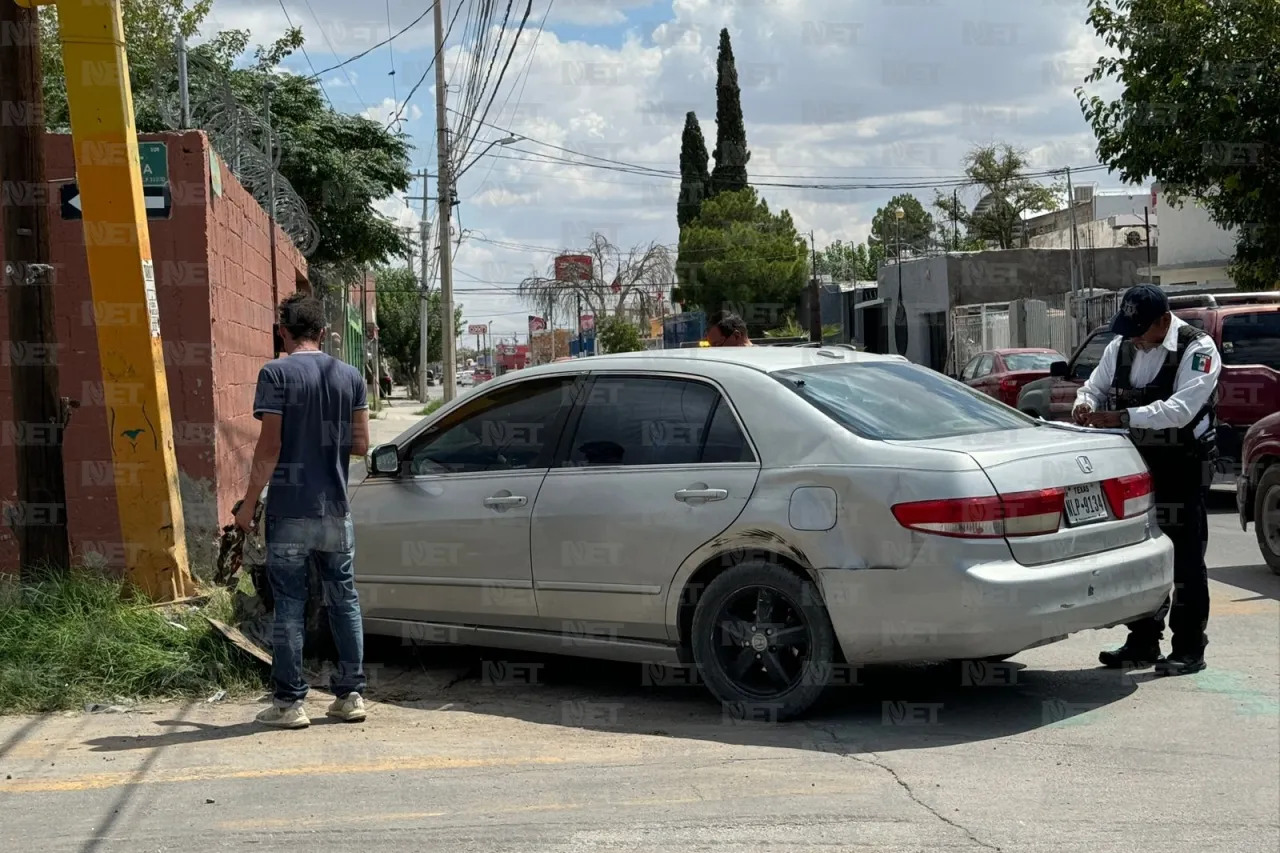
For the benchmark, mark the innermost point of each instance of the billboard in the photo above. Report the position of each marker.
(573, 268)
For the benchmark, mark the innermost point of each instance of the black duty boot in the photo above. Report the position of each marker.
(1132, 655)
(1181, 663)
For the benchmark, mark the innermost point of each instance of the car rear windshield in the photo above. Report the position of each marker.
(1252, 339)
(1030, 360)
(897, 401)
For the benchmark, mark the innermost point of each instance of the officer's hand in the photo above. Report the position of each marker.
(1080, 414)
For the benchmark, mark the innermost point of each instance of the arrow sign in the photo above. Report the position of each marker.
(158, 200)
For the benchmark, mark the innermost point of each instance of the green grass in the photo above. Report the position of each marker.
(430, 407)
(66, 640)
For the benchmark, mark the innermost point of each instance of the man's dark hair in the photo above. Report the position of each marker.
(303, 315)
(728, 323)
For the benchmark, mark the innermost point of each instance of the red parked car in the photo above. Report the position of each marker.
(1258, 487)
(1246, 329)
(1002, 373)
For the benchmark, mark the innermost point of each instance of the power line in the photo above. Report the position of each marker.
(289, 21)
(434, 59)
(391, 53)
(325, 36)
(362, 54)
(497, 87)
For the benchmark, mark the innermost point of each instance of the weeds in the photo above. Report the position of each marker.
(69, 639)
(430, 407)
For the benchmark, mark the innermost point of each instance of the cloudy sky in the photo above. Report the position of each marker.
(859, 94)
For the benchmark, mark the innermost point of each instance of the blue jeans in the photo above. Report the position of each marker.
(292, 543)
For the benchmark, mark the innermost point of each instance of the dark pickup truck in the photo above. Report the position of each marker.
(1246, 329)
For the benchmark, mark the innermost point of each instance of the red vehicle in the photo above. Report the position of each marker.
(1002, 373)
(1258, 487)
(1246, 329)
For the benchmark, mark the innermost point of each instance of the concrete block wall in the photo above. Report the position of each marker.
(212, 262)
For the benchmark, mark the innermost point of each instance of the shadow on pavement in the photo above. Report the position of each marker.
(875, 708)
(1258, 579)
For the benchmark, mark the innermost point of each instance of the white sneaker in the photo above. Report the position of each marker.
(349, 709)
(293, 717)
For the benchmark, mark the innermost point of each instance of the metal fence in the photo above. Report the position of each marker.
(1038, 323)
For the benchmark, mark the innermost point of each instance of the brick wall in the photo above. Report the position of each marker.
(213, 281)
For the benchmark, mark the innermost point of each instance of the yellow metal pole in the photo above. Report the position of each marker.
(126, 314)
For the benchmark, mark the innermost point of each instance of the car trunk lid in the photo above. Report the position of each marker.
(1092, 471)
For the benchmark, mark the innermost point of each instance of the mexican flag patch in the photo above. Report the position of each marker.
(1201, 363)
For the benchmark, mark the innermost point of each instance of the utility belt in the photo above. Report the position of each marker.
(1171, 443)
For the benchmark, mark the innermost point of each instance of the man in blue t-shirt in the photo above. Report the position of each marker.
(315, 416)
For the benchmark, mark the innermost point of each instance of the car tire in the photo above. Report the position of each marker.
(805, 666)
(1266, 525)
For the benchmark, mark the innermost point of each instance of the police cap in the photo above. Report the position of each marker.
(1141, 306)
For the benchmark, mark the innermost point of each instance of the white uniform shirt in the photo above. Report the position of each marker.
(1196, 380)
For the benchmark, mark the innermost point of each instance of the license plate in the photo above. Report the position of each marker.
(1085, 504)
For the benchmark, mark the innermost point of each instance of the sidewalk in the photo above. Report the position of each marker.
(397, 415)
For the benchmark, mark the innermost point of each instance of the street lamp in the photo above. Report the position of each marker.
(506, 140)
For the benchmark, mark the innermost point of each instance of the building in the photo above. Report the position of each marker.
(1092, 205)
(216, 285)
(1196, 251)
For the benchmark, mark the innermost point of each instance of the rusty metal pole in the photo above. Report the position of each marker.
(39, 521)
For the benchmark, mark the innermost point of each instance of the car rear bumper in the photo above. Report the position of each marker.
(993, 608)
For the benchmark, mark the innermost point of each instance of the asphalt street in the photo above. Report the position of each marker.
(466, 750)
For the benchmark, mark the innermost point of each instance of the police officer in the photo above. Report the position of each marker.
(1158, 378)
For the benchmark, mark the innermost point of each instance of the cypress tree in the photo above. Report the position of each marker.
(695, 180)
(731, 152)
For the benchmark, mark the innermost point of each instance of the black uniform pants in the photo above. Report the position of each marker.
(1181, 480)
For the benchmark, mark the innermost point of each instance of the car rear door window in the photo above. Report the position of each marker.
(654, 421)
(509, 428)
(984, 366)
(1252, 339)
(896, 401)
(971, 369)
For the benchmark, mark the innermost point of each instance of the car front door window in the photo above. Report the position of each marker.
(984, 366)
(971, 369)
(507, 429)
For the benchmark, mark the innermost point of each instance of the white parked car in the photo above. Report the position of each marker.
(761, 513)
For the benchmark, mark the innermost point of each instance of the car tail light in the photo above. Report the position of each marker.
(1129, 496)
(1021, 514)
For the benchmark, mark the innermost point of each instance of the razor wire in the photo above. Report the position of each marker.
(241, 137)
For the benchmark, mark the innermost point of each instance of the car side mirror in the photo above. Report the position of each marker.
(386, 460)
(1058, 370)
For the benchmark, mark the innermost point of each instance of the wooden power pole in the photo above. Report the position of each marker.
(39, 415)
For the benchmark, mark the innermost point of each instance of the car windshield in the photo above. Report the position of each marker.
(1030, 360)
(1252, 339)
(896, 401)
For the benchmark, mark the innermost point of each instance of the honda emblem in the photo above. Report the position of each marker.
(1084, 463)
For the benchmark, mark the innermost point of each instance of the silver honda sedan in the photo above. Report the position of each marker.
(764, 514)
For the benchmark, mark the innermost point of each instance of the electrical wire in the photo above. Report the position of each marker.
(305, 56)
(391, 53)
(528, 9)
(325, 36)
(362, 54)
(434, 59)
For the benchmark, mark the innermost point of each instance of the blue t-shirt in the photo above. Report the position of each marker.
(315, 396)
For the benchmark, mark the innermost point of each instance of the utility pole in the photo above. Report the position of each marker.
(424, 294)
(445, 191)
(184, 91)
(1146, 222)
(1075, 288)
(40, 522)
(122, 275)
(815, 297)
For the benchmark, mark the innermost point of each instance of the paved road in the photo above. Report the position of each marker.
(1067, 758)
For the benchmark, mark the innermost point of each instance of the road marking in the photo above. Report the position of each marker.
(114, 780)
(340, 821)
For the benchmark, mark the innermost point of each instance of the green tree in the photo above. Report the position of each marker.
(1007, 194)
(738, 255)
(850, 261)
(338, 164)
(732, 156)
(912, 238)
(617, 334)
(1199, 111)
(695, 180)
(399, 332)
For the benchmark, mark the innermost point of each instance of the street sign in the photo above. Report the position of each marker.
(159, 202)
(477, 329)
(153, 157)
(573, 268)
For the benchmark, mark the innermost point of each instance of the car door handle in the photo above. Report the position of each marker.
(504, 501)
(702, 494)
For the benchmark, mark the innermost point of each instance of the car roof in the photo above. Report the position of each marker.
(1017, 350)
(763, 359)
